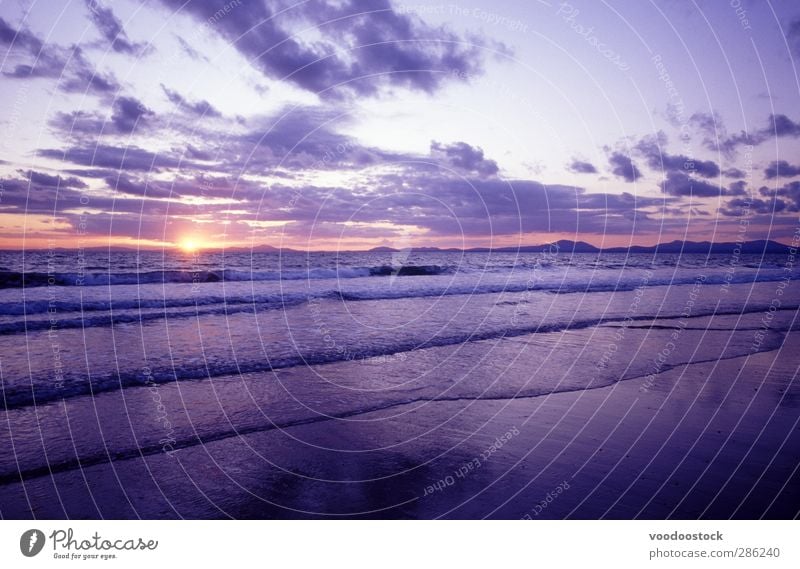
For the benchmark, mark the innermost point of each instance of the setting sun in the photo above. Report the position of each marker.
(189, 245)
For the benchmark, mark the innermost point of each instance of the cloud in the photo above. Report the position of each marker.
(734, 173)
(793, 36)
(190, 51)
(781, 169)
(581, 167)
(31, 58)
(131, 186)
(777, 126)
(623, 167)
(294, 138)
(357, 51)
(464, 157)
(737, 188)
(791, 191)
(682, 185)
(709, 123)
(22, 43)
(36, 192)
(776, 200)
(716, 137)
(441, 202)
(200, 108)
(111, 29)
(127, 158)
(781, 125)
(650, 147)
(127, 115)
(46, 180)
(738, 207)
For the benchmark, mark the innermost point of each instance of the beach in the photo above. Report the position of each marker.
(648, 400)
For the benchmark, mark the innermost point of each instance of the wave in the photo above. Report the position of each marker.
(109, 319)
(14, 279)
(40, 392)
(83, 314)
(56, 307)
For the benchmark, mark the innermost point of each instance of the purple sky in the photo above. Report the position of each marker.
(346, 124)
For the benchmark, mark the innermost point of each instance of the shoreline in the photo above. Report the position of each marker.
(384, 459)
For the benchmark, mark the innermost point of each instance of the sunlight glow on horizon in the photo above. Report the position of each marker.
(190, 245)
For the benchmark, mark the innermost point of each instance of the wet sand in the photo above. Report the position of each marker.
(717, 438)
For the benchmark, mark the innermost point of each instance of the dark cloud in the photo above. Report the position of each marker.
(360, 48)
(781, 125)
(78, 124)
(436, 200)
(200, 108)
(37, 192)
(781, 169)
(704, 168)
(737, 188)
(650, 148)
(777, 126)
(135, 187)
(581, 167)
(464, 157)
(22, 43)
(730, 145)
(94, 173)
(127, 115)
(709, 123)
(734, 173)
(793, 37)
(295, 138)
(623, 167)
(713, 131)
(30, 58)
(739, 206)
(79, 76)
(111, 28)
(40, 193)
(683, 185)
(126, 158)
(41, 179)
(472, 206)
(180, 186)
(717, 138)
(790, 191)
(135, 195)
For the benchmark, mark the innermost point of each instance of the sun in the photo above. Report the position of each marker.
(189, 246)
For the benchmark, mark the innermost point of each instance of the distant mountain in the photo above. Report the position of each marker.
(706, 248)
(256, 249)
(673, 247)
(564, 246)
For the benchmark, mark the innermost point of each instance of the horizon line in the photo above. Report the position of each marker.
(504, 248)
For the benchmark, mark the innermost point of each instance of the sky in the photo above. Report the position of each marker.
(344, 124)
